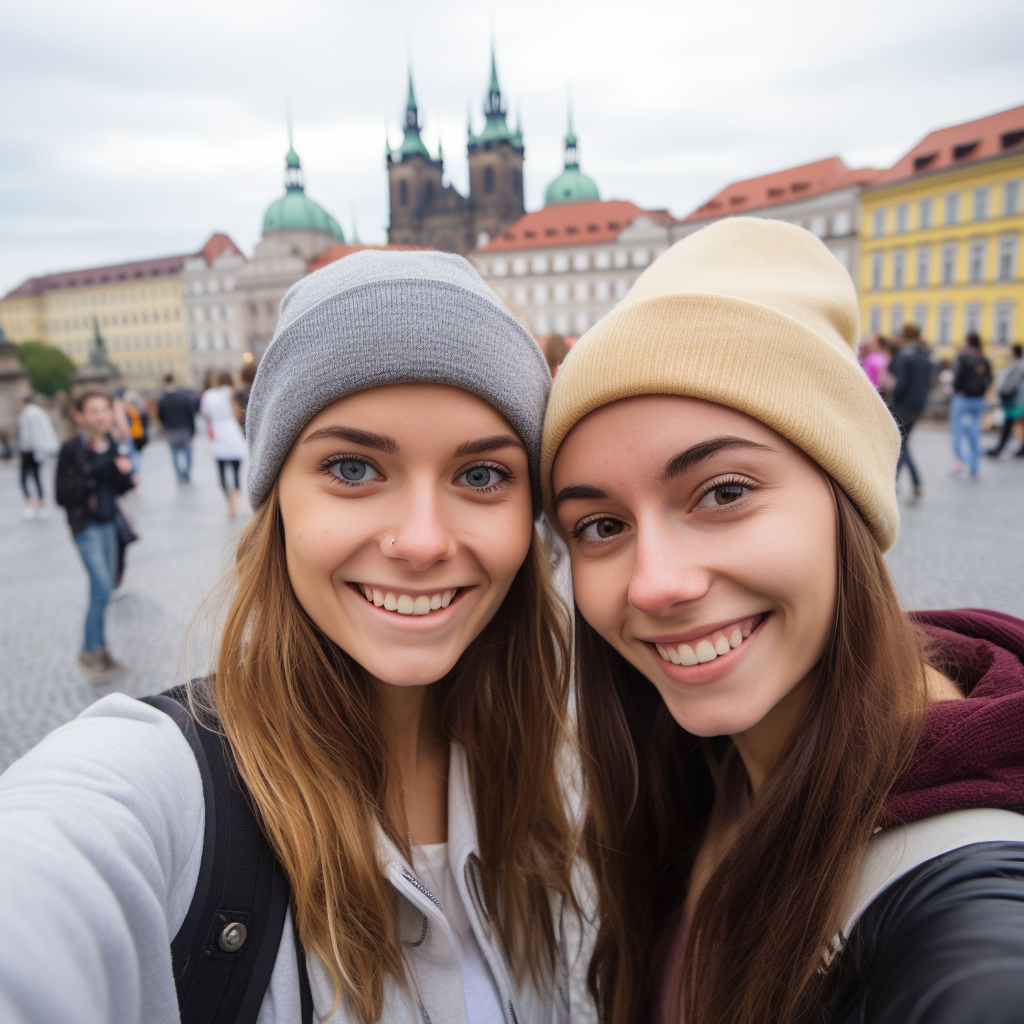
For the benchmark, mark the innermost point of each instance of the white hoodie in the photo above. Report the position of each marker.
(101, 837)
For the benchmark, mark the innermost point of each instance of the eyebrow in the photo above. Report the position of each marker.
(579, 492)
(704, 450)
(356, 436)
(488, 444)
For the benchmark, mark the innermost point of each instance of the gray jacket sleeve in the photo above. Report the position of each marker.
(101, 836)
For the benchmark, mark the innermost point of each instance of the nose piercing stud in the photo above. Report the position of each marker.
(393, 541)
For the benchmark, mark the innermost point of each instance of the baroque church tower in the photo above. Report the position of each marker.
(425, 211)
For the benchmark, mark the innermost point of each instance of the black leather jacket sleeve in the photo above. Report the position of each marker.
(942, 945)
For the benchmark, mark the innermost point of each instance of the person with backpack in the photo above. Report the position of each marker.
(177, 412)
(912, 375)
(359, 816)
(1011, 396)
(803, 804)
(972, 375)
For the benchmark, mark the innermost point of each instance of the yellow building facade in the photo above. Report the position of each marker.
(136, 306)
(942, 237)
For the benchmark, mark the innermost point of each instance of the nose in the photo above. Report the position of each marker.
(668, 570)
(421, 536)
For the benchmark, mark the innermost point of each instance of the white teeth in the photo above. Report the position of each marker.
(686, 655)
(746, 630)
(722, 644)
(406, 604)
(735, 638)
(705, 651)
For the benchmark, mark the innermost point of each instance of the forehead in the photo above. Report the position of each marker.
(94, 402)
(653, 427)
(417, 411)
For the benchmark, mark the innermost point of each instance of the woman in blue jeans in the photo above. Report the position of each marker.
(91, 472)
(972, 380)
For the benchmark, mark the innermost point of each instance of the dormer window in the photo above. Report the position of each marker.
(1011, 139)
(774, 193)
(922, 162)
(799, 186)
(964, 150)
(736, 200)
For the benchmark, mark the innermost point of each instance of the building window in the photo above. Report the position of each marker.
(519, 294)
(921, 316)
(976, 261)
(875, 319)
(980, 203)
(582, 321)
(561, 292)
(403, 193)
(519, 266)
(877, 270)
(1007, 258)
(924, 214)
(841, 223)
(581, 292)
(899, 265)
(902, 218)
(1011, 198)
(948, 264)
(540, 293)
(641, 257)
(945, 327)
(562, 323)
(621, 287)
(601, 290)
(488, 179)
(953, 208)
(621, 258)
(924, 265)
(878, 221)
(540, 264)
(560, 264)
(1003, 327)
(972, 318)
(581, 261)
(499, 268)
(819, 226)
(896, 319)
(603, 259)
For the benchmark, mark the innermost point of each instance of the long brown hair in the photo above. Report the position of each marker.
(306, 732)
(775, 901)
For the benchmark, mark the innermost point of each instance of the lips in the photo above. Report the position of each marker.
(709, 645)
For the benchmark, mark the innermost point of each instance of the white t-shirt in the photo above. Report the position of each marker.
(483, 1006)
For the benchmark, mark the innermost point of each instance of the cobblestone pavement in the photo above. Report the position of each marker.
(961, 545)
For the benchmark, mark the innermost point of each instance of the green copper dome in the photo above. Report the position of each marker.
(572, 185)
(295, 211)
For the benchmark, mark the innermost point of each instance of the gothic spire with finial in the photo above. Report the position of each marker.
(292, 165)
(412, 144)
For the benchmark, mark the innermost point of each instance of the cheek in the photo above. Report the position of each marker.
(599, 588)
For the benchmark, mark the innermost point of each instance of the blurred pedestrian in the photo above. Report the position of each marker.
(37, 442)
(1011, 396)
(876, 355)
(227, 442)
(555, 350)
(972, 375)
(92, 470)
(911, 370)
(177, 412)
(246, 375)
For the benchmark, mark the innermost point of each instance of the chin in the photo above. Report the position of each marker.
(408, 670)
(720, 720)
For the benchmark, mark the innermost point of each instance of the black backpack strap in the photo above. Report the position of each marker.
(226, 948)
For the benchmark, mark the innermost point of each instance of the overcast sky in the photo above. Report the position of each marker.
(130, 130)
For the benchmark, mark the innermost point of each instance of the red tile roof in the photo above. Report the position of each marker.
(573, 224)
(341, 250)
(114, 273)
(783, 187)
(962, 144)
(215, 246)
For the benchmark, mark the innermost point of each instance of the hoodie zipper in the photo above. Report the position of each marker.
(478, 899)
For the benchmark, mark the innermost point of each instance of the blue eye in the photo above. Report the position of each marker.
(483, 477)
(353, 471)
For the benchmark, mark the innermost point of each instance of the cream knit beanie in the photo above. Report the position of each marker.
(756, 315)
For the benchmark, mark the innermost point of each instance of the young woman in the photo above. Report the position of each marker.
(227, 442)
(799, 798)
(389, 683)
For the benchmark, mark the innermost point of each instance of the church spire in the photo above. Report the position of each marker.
(494, 107)
(292, 165)
(571, 157)
(412, 144)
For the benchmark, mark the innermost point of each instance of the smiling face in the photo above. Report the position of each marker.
(407, 514)
(703, 550)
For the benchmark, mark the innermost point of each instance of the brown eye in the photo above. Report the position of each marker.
(723, 494)
(601, 529)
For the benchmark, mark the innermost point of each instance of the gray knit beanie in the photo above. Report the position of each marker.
(379, 317)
